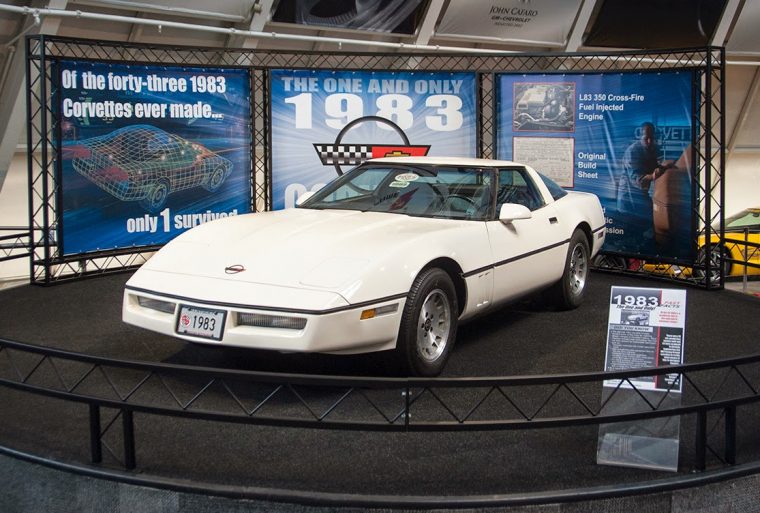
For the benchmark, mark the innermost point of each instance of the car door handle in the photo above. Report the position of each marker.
(553, 220)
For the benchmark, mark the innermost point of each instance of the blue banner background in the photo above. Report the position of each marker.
(94, 219)
(607, 111)
(296, 166)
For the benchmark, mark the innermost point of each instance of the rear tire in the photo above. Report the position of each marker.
(428, 324)
(568, 292)
(156, 197)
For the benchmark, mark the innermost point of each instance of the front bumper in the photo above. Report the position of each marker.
(337, 330)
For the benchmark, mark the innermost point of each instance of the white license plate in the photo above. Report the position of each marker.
(201, 322)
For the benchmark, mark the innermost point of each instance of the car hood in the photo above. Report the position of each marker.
(300, 248)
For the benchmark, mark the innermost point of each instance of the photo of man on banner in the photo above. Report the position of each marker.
(641, 166)
(652, 194)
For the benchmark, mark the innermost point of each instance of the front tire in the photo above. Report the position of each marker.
(428, 324)
(568, 292)
(215, 179)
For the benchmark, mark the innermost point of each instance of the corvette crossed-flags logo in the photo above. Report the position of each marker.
(355, 154)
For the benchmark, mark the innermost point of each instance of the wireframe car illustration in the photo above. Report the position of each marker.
(393, 254)
(144, 163)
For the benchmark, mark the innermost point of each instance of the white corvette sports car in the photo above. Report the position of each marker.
(393, 254)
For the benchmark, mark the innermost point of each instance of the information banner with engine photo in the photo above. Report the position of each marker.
(326, 122)
(645, 330)
(148, 152)
(626, 137)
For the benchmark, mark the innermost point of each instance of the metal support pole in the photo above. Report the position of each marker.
(746, 259)
(128, 425)
(708, 176)
(96, 449)
(701, 440)
(730, 435)
(45, 170)
(30, 161)
(407, 405)
(721, 142)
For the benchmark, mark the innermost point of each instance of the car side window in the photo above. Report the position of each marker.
(748, 219)
(555, 190)
(173, 152)
(515, 186)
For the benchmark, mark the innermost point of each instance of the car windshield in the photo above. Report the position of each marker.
(744, 219)
(423, 191)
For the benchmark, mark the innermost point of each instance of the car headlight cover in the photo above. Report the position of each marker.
(156, 304)
(271, 321)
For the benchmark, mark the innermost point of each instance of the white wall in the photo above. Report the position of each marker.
(742, 182)
(14, 211)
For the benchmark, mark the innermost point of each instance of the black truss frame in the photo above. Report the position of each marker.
(49, 266)
(15, 242)
(115, 391)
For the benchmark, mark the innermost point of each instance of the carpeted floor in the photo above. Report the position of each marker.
(521, 339)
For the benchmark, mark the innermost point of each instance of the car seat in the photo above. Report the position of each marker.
(425, 199)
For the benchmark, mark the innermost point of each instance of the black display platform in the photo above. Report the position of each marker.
(522, 339)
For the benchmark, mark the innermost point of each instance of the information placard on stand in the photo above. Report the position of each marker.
(645, 330)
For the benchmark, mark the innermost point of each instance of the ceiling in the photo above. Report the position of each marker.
(398, 25)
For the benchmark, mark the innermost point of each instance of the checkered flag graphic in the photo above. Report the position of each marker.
(343, 154)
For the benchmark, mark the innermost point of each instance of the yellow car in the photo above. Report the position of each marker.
(737, 248)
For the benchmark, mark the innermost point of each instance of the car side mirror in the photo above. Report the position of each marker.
(512, 211)
(303, 197)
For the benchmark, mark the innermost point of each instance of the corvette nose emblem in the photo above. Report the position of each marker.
(234, 269)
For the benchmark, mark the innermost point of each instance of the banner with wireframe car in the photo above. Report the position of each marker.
(148, 152)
